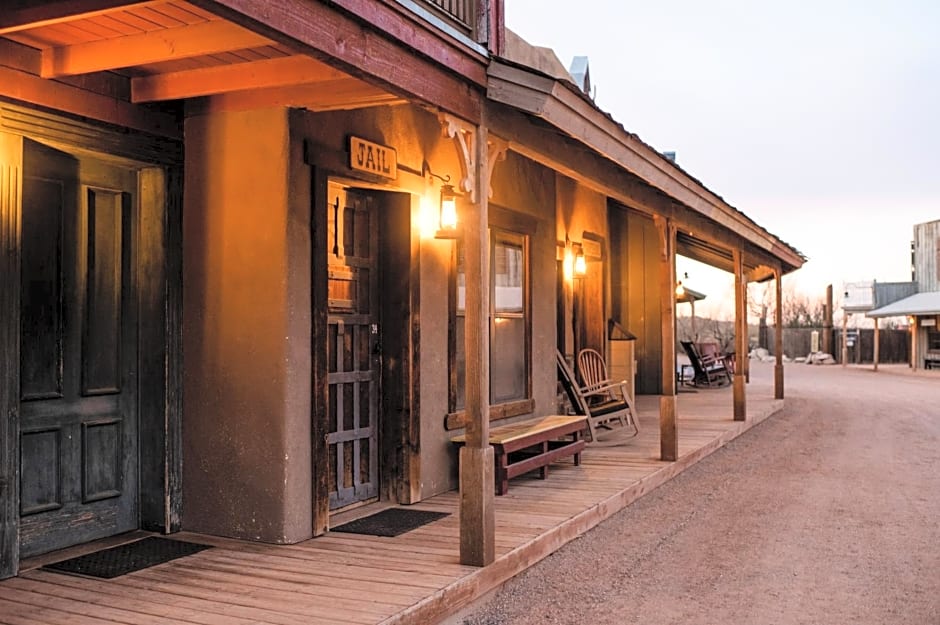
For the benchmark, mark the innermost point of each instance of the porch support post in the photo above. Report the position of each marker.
(845, 337)
(11, 177)
(477, 496)
(877, 345)
(778, 337)
(740, 337)
(914, 342)
(668, 410)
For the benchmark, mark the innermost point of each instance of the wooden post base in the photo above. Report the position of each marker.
(668, 428)
(477, 506)
(778, 381)
(740, 396)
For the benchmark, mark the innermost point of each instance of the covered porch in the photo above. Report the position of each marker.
(413, 578)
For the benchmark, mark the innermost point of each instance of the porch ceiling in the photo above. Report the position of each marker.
(171, 50)
(720, 257)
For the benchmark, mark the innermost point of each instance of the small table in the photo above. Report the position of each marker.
(533, 444)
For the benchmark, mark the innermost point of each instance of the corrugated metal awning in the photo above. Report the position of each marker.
(918, 304)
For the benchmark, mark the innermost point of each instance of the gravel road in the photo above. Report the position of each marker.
(827, 513)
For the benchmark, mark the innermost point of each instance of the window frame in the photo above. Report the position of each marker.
(513, 226)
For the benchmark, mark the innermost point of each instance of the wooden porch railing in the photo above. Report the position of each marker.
(461, 11)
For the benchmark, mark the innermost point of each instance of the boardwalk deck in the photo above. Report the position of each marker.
(412, 578)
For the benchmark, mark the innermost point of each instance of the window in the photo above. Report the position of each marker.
(933, 339)
(509, 320)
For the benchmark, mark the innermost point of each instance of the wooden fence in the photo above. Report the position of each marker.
(895, 345)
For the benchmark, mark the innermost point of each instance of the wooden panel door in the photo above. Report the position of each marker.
(353, 347)
(78, 424)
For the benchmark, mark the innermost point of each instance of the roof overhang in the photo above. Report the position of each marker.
(563, 106)
(917, 305)
(231, 55)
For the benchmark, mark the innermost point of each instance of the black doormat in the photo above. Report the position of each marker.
(390, 522)
(127, 558)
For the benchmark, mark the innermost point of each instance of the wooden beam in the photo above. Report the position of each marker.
(37, 13)
(914, 355)
(564, 108)
(344, 41)
(152, 47)
(11, 189)
(268, 73)
(477, 506)
(778, 335)
(544, 145)
(400, 22)
(346, 93)
(51, 94)
(877, 345)
(845, 337)
(668, 408)
(740, 338)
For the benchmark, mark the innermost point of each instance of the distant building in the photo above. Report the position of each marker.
(918, 300)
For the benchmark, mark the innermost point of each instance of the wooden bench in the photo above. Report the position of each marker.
(931, 360)
(533, 444)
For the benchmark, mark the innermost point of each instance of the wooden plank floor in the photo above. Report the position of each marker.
(413, 578)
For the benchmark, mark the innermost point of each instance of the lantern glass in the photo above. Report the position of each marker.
(580, 265)
(448, 208)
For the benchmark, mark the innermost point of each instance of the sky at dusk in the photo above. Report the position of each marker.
(819, 120)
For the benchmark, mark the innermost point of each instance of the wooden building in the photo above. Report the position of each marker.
(918, 300)
(229, 301)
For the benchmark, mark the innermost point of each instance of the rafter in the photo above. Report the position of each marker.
(240, 76)
(346, 93)
(161, 45)
(37, 13)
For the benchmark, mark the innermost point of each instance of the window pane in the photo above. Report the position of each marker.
(508, 355)
(933, 339)
(508, 276)
(461, 279)
(508, 360)
(460, 363)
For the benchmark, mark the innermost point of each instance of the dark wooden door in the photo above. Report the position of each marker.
(78, 417)
(353, 347)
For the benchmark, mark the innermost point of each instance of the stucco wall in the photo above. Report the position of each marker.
(519, 185)
(526, 187)
(246, 329)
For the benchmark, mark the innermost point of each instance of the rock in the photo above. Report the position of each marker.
(820, 358)
(760, 354)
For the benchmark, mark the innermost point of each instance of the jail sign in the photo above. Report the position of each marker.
(373, 158)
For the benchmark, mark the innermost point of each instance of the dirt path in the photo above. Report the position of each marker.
(827, 513)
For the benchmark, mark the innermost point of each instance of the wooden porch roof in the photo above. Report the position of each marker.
(414, 578)
(709, 227)
(169, 50)
(102, 58)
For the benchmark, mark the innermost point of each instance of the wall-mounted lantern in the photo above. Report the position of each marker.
(447, 225)
(447, 215)
(573, 264)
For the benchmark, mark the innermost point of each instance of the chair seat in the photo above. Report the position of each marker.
(608, 407)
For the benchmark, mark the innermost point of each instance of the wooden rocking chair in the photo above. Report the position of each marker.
(711, 370)
(610, 417)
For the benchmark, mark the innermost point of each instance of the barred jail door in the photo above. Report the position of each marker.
(353, 345)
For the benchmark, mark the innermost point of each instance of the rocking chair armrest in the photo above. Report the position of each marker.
(713, 360)
(604, 387)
